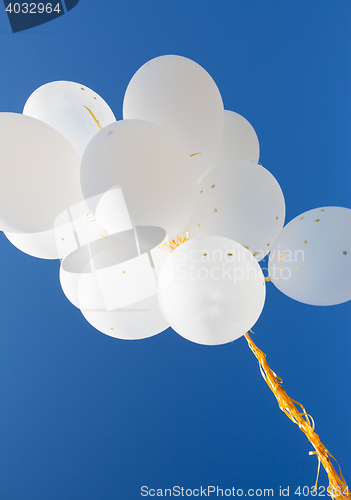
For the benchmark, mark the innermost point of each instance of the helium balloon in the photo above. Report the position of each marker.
(74, 110)
(113, 281)
(115, 271)
(80, 284)
(242, 201)
(39, 174)
(145, 171)
(179, 95)
(41, 245)
(310, 259)
(137, 321)
(74, 228)
(239, 142)
(108, 206)
(211, 290)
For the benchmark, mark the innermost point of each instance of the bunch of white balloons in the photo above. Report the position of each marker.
(160, 219)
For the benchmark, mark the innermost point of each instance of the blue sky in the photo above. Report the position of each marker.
(85, 416)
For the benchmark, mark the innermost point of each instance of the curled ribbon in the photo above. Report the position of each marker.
(337, 488)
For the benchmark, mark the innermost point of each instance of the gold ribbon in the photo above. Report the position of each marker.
(173, 244)
(337, 488)
(95, 119)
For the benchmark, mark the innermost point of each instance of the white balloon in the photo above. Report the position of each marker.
(75, 227)
(39, 174)
(109, 205)
(114, 282)
(74, 110)
(149, 168)
(80, 285)
(242, 201)
(211, 290)
(310, 259)
(181, 96)
(116, 271)
(137, 321)
(41, 245)
(239, 142)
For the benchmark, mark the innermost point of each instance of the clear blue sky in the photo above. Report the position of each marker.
(85, 416)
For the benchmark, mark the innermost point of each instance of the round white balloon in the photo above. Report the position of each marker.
(114, 282)
(144, 169)
(239, 142)
(39, 174)
(41, 245)
(114, 271)
(178, 94)
(242, 201)
(137, 321)
(211, 290)
(107, 206)
(74, 110)
(75, 227)
(310, 259)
